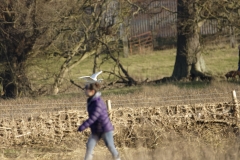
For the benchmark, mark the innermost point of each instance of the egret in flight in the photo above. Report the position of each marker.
(92, 78)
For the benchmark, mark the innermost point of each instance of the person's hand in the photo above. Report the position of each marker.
(78, 128)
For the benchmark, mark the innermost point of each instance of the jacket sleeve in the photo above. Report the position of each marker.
(92, 118)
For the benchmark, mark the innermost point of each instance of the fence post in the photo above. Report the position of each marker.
(238, 57)
(109, 107)
(235, 108)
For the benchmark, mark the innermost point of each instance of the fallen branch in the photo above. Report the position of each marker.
(23, 135)
(4, 128)
(76, 84)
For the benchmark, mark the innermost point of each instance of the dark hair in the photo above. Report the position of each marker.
(93, 86)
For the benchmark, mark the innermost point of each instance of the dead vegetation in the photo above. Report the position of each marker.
(146, 128)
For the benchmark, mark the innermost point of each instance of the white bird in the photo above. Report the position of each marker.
(92, 78)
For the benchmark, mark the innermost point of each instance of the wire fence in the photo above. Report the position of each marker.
(36, 109)
(19, 110)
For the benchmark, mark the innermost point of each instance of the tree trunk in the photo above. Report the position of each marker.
(96, 58)
(125, 47)
(16, 45)
(239, 58)
(232, 37)
(59, 79)
(124, 37)
(66, 66)
(189, 61)
(9, 85)
(15, 81)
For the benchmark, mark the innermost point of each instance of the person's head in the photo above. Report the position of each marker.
(91, 89)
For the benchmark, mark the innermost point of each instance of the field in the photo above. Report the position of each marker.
(147, 125)
(163, 121)
(159, 64)
(152, 65)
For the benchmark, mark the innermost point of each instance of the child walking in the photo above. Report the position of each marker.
(98, 121)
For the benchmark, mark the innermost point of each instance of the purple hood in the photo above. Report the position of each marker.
(98, 120)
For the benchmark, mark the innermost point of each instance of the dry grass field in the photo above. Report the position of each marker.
(151, 123)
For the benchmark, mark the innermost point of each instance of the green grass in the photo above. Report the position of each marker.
(220, 61)
(158, 64)
(139, 67)
(125, 90)
(151, 64)
(192, 85)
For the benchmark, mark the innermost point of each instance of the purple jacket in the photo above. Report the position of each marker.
(98, 120)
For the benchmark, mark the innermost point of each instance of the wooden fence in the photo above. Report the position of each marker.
(53, 127)
(141, 42)
(227, 113)
(162, 22)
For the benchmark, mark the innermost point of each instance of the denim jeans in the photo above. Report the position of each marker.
(109, 142)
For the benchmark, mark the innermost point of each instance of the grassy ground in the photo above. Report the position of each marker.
(158, 64)
(171, 147)
(152, 65)
(172, 151)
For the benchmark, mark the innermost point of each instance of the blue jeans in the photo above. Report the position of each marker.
(109, 142)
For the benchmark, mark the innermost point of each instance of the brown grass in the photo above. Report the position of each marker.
(151, 130)
(151, 123)
(152, 95)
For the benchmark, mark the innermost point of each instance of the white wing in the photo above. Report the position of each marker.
(84, 77)
(88, 79)
(95, 75)
(92, 79)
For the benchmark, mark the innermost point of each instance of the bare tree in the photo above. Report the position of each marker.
(92, 17)
(74, 30)
(191, 14)
(98, 35)
(18, 34)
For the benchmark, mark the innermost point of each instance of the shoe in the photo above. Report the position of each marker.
(117, 158)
